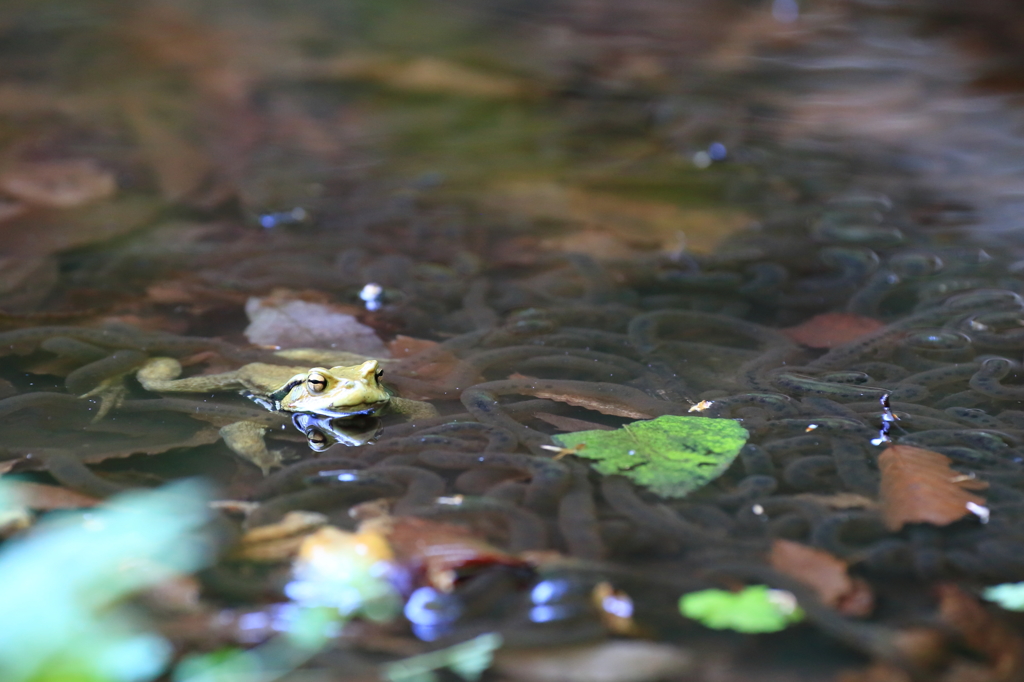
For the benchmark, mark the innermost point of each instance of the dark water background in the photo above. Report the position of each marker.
(638, 193)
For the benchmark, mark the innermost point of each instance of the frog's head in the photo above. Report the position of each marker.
(335, 392)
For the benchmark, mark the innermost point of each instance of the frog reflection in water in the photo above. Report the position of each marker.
(339, 392)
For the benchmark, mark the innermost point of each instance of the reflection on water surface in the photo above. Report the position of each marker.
(538, 218)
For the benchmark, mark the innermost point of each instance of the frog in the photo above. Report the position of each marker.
(335, 392)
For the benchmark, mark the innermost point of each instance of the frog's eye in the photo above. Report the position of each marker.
(379, 373)
(316, 438)
(316, 382)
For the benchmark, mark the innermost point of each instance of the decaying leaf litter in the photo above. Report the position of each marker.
(575, 235)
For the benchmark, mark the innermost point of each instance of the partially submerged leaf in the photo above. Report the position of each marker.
(753, 609)
(984, 633)
(627, 222)
(437, 369)
(468, 660)
(825, 574)
(293, 323)
(610, 406)
(829, 330)
(919, 486)
(441, 552)
(670, 455)
(571, 424)
(181, 166)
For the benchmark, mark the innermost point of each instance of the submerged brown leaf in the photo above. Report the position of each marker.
(826, 574)
(832, 329)
(627, 223)
(438, 368)
(570, 424)
(442, 552)
(919, 486)
(58, 184)
(181, 166)
(610, 407)
(982, 632)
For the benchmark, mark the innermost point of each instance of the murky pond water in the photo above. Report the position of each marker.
(220, 222)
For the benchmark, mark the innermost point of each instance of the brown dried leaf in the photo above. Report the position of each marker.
(826, 574)
(832, 329)
(982, 632)
(918, 486)
(58, 184)
(296, 323)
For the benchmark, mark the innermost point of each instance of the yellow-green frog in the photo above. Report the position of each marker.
(350, 388)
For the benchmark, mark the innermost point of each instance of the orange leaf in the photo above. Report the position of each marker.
(918, 486)
(832, 329)
(826, 574)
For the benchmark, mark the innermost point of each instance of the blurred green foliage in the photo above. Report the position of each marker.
(63, 586)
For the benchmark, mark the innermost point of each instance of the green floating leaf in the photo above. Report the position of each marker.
(468, 660)
(308, 633)
(670, 455)
(753, 609)
(1010, 596)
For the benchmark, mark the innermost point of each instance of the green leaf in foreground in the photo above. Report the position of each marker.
(1010, 596)
(753, 609)
(670, 455)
